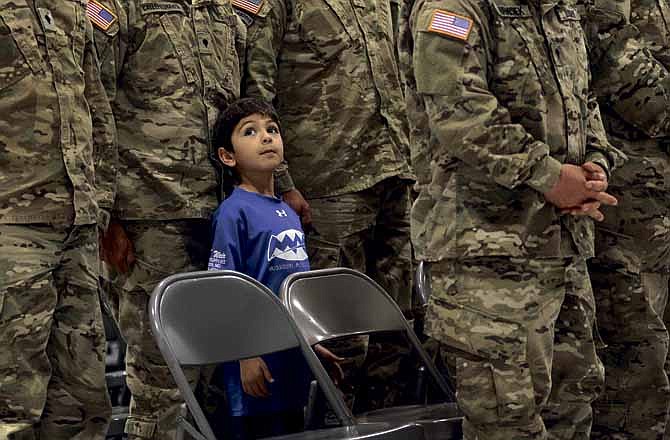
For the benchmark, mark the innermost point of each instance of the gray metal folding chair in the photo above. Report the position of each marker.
(202, 318)
(333, 303)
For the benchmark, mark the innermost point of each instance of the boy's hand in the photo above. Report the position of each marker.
(254, 374)
(573, 189)
(116, 248)
(332, 362)
(297, 202)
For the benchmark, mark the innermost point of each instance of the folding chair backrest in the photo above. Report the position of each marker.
(331, 303)
(212, 317)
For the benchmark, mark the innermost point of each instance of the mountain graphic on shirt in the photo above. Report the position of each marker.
(288, 245)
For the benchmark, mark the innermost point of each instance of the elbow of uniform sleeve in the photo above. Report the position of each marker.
(545, 174)
(283, 181)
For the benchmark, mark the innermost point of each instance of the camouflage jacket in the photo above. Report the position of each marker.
(168, 67)
(57, 141)
(330, 68)
(498, 99)
(630, 48)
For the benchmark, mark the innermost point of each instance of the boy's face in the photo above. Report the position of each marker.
(258, 146)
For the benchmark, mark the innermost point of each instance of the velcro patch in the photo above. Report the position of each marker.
(568, 14)
(448, 23)
(161, 7)
(252, 6)
(246, 18)
(513, 11)
(100, 15)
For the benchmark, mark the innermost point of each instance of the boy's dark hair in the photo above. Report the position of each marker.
(222, 138)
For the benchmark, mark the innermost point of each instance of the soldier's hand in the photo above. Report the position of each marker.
(572, 191)
(116, 248)
(297, 202)
(254, 374)
(596, 178)
(592, 209)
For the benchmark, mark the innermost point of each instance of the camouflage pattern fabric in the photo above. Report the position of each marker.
(329, 67)
(168, 69)
(505, 109)
(58, 152)
(634, 404)
(629, 41)
(161, 249)
(52, 362)
(504, 387)
(577, 374)
(503, 114)
(57, 140)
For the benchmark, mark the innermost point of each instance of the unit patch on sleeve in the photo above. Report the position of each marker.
(253, 6)
(448, 23)
(100, 15)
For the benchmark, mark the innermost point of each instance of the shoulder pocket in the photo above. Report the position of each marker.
(438, 57)
(329, 27)
(19, 54)
(103, 39)
(535, 47)
(221, 57)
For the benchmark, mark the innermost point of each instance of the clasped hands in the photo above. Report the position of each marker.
(581, 190)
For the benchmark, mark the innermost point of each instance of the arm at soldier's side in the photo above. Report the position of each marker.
(105, 151)
(264, 39)
(469, 122)
(112, 45)
(630, 76)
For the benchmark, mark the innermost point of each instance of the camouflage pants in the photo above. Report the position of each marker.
(502, 314)
(368, 231)
(52, 360)
(636, 398)
(161, 249)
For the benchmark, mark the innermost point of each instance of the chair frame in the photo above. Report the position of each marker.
(175, 366)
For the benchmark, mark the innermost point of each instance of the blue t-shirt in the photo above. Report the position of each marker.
(261, 236)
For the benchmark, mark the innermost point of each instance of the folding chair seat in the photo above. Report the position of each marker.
(204, 318)
(333, 303)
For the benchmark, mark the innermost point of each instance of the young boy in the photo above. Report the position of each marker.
(257, 234)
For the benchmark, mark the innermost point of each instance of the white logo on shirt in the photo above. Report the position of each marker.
(287, 245)
(281, 213)
(217, 260)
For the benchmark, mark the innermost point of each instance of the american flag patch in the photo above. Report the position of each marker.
(100, 15)
(447, 23)
(253, 6)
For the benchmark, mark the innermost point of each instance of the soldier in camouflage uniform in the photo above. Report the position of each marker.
(630, 57)
(501, 121)
(57, 153)
(330, 68)
(169, 66)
